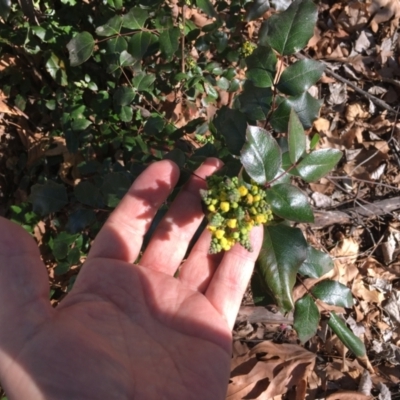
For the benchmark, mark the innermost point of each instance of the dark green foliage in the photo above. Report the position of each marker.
(116, 78)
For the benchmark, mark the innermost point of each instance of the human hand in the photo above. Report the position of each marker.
(126, 331)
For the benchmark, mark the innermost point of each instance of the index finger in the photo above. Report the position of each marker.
(122, 235)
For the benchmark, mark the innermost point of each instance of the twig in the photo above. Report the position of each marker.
(369, 96)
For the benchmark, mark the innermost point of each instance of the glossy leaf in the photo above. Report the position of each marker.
(257, 9)
(125, 113)
(56, 69)
(5, 7)
(61, 245)
(306, 318)
(349, 339)
(300, 76)
(48, 198)
(318, 163)
(255, 102)
(135, 18)
(333, 293)
(296, 137)
(316, 264)
(125, 59)
(207, 7)
(124, 96)
(143, 81)
(80, 48)
(306, 107)
(169, 41)
(116, 44)
(290, 30)
(282, 253)
(289, 202)
(111, 27)
(141, 43)
(261, 65)
(231, 124)
(261, 155)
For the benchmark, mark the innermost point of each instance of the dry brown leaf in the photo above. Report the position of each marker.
(355, 112)
(348, 396)
(360, 290)
(269, 370)
(321, 125)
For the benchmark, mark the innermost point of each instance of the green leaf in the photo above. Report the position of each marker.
(314, 141)
(306, 318)
(255, 102)
(125, 113)
(141, 43)
(56, 68)
(124, 96)
(135, 18)
(125, 59)
(169, 41)
(282, 253)
(349, 339)
(261, 66)
(261, 155)
(117, 45)
(289, 202)
(143, 81)
(114, 187)
(300, 76)
(333, 293)
(61, 245)
(257, 9)
(111, 27)
(316, 264)
(80, 48)
(296, 138)
(80, 124)
(48, 198)
(289, 31)
(231, 124)
(306, 107)
(74, 256)
(5, 7)
(207, 7)
(88, 194)
(318, 163)
(79, 220)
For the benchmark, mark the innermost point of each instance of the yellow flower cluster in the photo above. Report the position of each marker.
(232, 209)
(248, 48)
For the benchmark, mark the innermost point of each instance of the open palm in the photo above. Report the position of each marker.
(126, 331)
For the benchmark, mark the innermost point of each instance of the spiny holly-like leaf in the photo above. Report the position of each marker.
(169, 41)
(261, 65)
(316, 264)
(111, 27)
(231, 124)
(135, 18)
(289, 31)
(80, 48)
(255, 102)
(306, 107)
(306, 318)
(261, 155)
(318, 163)
(334, 293)
(349, 339)
(296, 137)
(141, 43)
(300, 76)
(282, 253)
(48, 197)
(289, 202)
(257, 9)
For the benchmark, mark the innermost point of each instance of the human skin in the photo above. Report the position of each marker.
(126, 331)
